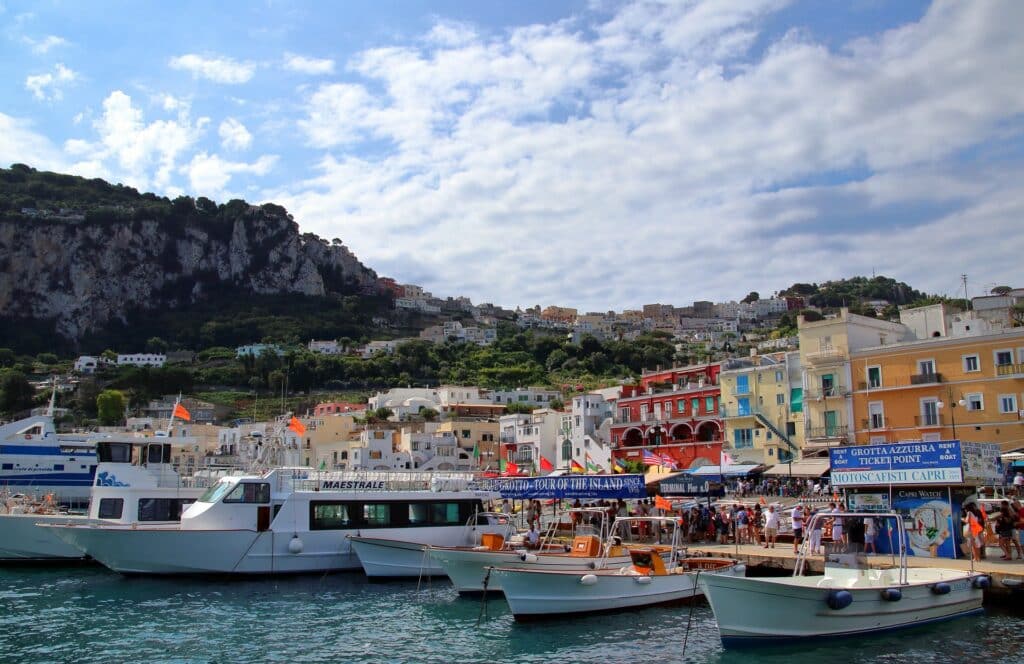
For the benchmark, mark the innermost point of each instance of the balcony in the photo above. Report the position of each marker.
(828, 355)
(926, 379)
(729, 412)
(828, 432)
(830, 392)
(523, 458)
(873, 424)
(928, 421)
(1010, 369)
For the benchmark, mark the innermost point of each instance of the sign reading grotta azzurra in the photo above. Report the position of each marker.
(573, 486)
(914, 462)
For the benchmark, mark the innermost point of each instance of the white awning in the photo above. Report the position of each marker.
(802, 468)
(732, 470)
(659, 474)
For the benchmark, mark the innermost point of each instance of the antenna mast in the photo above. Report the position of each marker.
(963, 278)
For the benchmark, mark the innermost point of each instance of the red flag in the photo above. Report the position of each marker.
(546, 465)
(663, 503)
(297, 426)
(181, 413)
(576, 467)
(511, 468)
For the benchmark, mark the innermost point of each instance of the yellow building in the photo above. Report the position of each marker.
(825, 348)
(968, 387)
(470, 433)
(329, 439)
(762, 408)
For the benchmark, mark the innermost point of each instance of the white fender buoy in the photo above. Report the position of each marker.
(528, 557)
(588, 579)
(643, 580)
(295, 545)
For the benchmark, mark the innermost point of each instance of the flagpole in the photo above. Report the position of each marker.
(170, 422)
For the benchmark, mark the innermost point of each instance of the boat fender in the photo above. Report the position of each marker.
(982, 582)
(295, 545)
(643, 580)
(528, 557)
(892, 594)
(588, 579)
(839, 599)
(941, 588)
(1016, 584)
(567, 548)
(592, 564)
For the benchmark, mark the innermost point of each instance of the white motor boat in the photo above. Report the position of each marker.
(850, 599)
(468, 567)
(289, 520)
(135, 483)
(658, 573)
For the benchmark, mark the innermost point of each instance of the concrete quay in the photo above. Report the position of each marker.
(1007, 576)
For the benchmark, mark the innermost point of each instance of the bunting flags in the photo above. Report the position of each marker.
(575, 467)
(652, 459)
(669, 461)
(297, 426)
(546, 465)
(181, 413)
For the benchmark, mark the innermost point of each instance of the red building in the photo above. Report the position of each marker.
(673, 412)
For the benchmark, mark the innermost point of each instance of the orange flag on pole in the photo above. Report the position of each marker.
(663, 503)
(181, 413)
(297, 426)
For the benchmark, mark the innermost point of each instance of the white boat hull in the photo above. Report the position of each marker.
(383, 557)
(21, 539)
(534, 594)
(753, 611)
(467, 568)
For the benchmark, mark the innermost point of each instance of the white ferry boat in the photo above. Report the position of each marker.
(34, 459)
(289, 520)
(135, 483)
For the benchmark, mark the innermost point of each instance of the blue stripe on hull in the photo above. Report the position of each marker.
(36, 450)
(45, 482)
(769, 641)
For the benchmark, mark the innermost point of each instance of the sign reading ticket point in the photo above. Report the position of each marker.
(915, 462)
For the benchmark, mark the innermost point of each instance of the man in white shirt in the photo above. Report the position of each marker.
(771, 527)
(797, 515)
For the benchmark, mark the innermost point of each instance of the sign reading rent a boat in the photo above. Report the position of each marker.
(914, 462)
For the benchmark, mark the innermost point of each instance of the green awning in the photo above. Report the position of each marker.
(796, 400)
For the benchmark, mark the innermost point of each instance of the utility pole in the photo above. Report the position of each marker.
(963, 278)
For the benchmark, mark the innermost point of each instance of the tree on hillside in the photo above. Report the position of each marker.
(110, 407)
(810, 315)
(1000, 290)
(752, 296)
(16, 393)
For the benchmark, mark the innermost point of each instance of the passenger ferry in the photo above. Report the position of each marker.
(135, 483)
(34, 459)
(291, 520)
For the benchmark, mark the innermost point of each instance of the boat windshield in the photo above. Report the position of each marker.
(215, 492)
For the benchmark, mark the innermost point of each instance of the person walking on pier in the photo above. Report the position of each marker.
(771, 527)
(797, 516)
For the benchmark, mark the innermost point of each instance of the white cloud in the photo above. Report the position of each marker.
(218, 69)
(234, 135)
(49, 86)
(21, 143)
(43, 46)
(655, 137)
(311, 66)
(209, 175)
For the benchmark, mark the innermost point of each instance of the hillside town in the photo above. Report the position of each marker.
(937, 374)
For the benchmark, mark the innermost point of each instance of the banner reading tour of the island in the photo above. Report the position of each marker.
(584, 487)
(916, 462)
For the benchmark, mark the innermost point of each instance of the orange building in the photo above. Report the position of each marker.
(968, 388)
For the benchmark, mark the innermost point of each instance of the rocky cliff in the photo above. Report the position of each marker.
(81, 259)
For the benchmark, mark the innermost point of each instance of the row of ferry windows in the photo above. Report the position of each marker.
(150, 509)
(341, 515)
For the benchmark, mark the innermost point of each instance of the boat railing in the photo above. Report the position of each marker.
(647, 526)
(306, 479)
(899, 557)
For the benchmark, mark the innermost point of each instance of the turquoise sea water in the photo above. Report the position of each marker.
(91, 615)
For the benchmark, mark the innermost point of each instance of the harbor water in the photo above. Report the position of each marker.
(89, 614)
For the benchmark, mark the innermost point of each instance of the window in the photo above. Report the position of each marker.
(111, 508)
(975, 401)
(162, 509)
(778, 375)
(929, 412)
(743, 438)
(709, 405)
(681, 406)
(874, 377)
(445, 514)
(249, 492)
(419, 514)
(742, 385)
(465, 433)
(694, 407)
(876, 415)
(790, 428)
(926, 367)
(828, 385)
(330, 516)
(1003, 357)
(1008, 403)
(780, 399)
(377, 515)
(971, 363)
(566, 450)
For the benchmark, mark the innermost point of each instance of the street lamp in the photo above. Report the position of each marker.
(952, 409)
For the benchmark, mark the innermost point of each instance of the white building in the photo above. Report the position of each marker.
(586, 432)
(529, 396)
(773, 306)
(141, 359)
(88, 364)
(329, 347)
(256, 350)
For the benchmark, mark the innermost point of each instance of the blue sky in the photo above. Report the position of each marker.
(596, 154)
